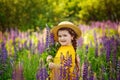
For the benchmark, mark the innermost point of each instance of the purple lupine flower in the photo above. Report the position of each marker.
(76, 74)
(68, 65)
(103, 70)
(47, 37)
(104, 41)
(42, 73)
(43, 45)
(4, 53)
(15, 48)
(91, 75)
(118, 69)
(61, 71)
(96, 50)
(16, 32)
(108, 50)
(25, 44)
(117, 40)
(61, 67)
(30, 44)
(107, 45)
(52, 39)
(4, 39)
(19, 46)
(68, 61)
(18, 72)
(95, 37)
(64, 73)
(86, 49)
(96, 44)
(114, 49)
(85, 70)
(13, 33)
(80, 42)
(65, 66)
(40, 47)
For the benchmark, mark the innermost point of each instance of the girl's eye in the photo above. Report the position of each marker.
(59, 35)
(64, 35)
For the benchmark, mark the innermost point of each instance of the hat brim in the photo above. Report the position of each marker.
(55, 29)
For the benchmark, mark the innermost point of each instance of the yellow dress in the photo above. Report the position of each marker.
(57, 60)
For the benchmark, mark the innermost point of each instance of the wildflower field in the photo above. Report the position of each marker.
(23, 54)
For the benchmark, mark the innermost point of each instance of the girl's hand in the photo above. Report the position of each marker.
(51, 65)
(49, 58)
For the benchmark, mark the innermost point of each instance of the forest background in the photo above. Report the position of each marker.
(29, 14)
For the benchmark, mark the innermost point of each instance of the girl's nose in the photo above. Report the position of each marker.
(62, 38)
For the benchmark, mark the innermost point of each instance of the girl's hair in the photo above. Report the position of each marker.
(72, 33)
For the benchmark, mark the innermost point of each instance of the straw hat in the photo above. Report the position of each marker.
(65, 24)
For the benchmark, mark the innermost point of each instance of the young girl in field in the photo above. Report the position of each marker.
(66, 33)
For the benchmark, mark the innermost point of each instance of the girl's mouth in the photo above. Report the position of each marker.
(63, 41)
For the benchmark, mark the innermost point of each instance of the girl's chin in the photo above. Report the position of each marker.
(63, 44)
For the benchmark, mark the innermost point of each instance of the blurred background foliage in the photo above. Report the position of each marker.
(29, 14)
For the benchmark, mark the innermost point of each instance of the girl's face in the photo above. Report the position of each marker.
(64, 37)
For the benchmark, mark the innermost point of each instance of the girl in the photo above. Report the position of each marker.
(66, 33)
